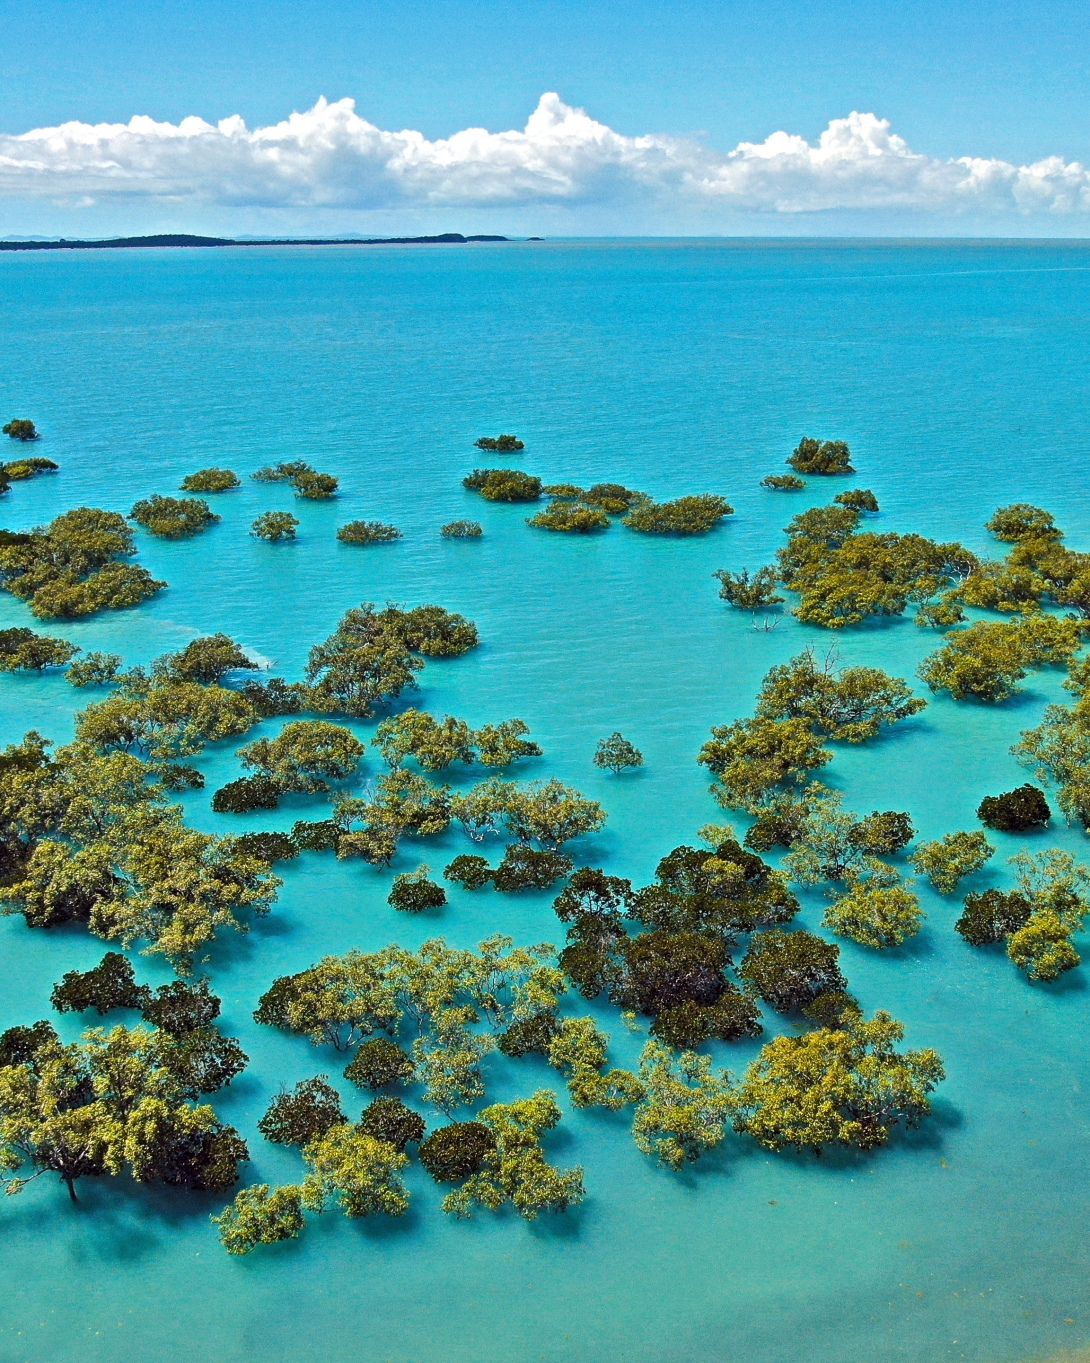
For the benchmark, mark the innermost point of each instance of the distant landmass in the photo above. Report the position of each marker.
(183, 239)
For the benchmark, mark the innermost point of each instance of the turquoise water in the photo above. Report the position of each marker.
(957, 372)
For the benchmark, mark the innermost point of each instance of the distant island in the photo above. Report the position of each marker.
(184, 239)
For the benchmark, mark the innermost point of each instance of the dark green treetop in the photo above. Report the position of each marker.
(821, 456)
(173, 518)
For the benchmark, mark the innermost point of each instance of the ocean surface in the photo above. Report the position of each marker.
(957, 372)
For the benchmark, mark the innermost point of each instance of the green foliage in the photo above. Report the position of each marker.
(688, 1025)
(1059, 749)
(500, 444)
(578, 1049)
(305, 755)
(790, 969)
(318, 836)
(591, 891)
(274, 526)
(503, 485)
(368, 660)
(858, 498)
(990, 917)
(516, 1170)
(531, 1036)
(210, 480)
(302, 477)
(94, 669)
(723, 892)
(1022, 521)
(89, 840)
(850, 706)
(748, 593)
(461, 530)
(829, 843)
(352, 1170)
(268, 847)
(1038, 918)
(613, 498)
(875, 913)
(817, 456)
(751, 757)
(108, 985)
(316, 487)
(882, 833)
(664, 969)
(23, 650)
(378, 1063)
(498, 745)
(456, 1151)
(949, 860)
(833, 1010)
(1042, 947)
(684, 1109)
(173, 518)
(284, 472)
(1054, 882)
(987, 660)
(1000, 587)
(20, 429)
(472, 872)
(783, 482)
(302, 1115)
(444, 991)
(389, 1120)
(274, 697)
(205, 660)
(337, 1002)
(20, 469)
(844, 577)
(436, 744)
(1015, 811)
(246, 794)
(572, 517)
(403, 803)
(684, 516)
(72, 567)
(164, 721)
(847, 1086)
(524, 868)
(413, 892)
(260, 1217)
(617, 754)
(482, 810)
(368, 532)
(779, 822)
(180, 1008)
(551, 814)
(106, 1105)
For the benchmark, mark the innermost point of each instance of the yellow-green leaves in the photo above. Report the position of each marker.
(684, 1109)
(516, 1170)
(844, 1086)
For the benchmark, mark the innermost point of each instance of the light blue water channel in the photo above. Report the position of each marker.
(958, 373)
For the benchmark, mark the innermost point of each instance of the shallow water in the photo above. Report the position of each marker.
(957, 372)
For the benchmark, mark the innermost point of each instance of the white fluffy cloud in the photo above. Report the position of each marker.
(330, 158)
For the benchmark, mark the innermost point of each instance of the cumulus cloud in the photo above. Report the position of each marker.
(331, 158)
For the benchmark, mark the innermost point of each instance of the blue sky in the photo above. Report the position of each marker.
(1001, 83)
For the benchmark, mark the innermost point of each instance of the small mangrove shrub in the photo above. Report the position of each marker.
(368, 532)
(461, 530)
(210, 480)
(274, 526)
